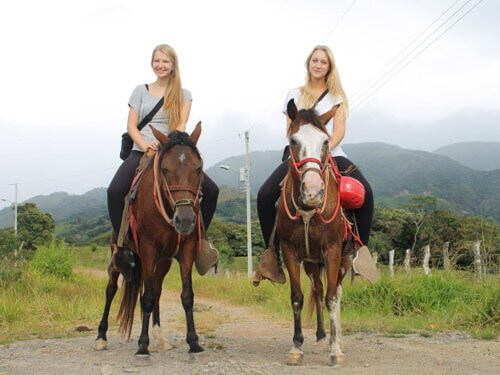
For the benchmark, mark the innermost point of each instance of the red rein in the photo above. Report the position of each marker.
(338, 176)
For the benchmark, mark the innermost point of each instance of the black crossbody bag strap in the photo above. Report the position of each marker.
(321, 97)
(146, 120)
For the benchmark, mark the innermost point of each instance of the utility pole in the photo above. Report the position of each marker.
(249, 219)
(15, 208)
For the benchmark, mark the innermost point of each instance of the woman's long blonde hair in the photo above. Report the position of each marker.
(333, 83)
(174, 96)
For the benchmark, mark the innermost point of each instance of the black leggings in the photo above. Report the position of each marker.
(120, 186)
(270, 192)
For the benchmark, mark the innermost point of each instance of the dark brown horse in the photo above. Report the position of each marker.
(311, 228)
(167, 212)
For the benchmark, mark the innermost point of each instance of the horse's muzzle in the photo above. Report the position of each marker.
(184, 220)
(312, 189)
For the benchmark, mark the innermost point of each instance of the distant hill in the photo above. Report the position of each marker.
(482, 156)
(63, 206)
(395, 174)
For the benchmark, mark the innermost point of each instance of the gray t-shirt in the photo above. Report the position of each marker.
(143, 102)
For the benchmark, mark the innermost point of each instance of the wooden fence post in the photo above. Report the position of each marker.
(477, 259)
(427, 256)
(391, 262)
(408, 261)
(446, 256)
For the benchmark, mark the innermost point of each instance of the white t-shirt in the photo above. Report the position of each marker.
(322, 107)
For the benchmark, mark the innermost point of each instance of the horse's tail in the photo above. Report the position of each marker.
(311, 303)
(129, 300)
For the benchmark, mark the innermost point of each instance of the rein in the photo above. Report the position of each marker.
(328, 169)
(174, 203)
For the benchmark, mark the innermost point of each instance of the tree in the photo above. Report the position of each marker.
(34, 227)
(9, 243)
(419, 207)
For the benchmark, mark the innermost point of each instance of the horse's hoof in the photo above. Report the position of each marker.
(295, 357)
(336, 360)
(163, 346)
(320, 346)
(142, 354)
(196, 348)
(101, 344)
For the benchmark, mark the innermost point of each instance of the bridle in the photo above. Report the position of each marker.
(167, 189)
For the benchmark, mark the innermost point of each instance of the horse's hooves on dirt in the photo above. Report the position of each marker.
(295, 357)
(336, 360)
(101, 344)
(320, 346)
(195, 348)
(142, 354)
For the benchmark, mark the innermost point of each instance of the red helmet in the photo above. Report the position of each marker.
(352, 193)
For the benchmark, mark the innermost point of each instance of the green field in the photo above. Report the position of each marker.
(38, 305)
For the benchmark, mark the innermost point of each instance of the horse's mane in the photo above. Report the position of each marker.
(176, 138)
(310, 116)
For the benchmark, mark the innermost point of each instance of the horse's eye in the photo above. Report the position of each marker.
(164, 170)
(325, 144)
(199, 170)
(293, 142)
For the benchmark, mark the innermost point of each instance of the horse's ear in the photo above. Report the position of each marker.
(160, 136)
(325, 117)
(291, 110)
(195, 135)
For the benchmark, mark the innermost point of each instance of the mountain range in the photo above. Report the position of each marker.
(396, 174)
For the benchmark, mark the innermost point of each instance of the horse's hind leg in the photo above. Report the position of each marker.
(101, 340)
(187, 296)
(297, 298)
(313, 270)
(333, 297)
(161, 270)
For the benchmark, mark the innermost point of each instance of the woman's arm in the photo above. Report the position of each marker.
(338, 128)
(185, 111)
(135, 134)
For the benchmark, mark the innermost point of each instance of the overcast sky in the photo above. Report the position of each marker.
(68, 68)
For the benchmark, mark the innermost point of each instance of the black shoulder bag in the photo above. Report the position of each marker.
(127, 141)
(286, 151)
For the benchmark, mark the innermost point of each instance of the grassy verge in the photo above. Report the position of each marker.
(412, 303)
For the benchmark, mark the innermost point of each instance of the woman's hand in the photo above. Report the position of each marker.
(154, 145)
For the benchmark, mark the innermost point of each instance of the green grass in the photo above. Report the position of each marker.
(401, 305)
(40, 305)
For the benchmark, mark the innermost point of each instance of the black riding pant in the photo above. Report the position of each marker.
(270, 192)
(120, 186)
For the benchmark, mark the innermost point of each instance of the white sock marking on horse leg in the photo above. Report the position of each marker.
(334, 311)
(161, 343)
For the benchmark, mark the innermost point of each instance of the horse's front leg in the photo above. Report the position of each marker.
(101, 340)
(332, 299)
(313, 270)
(147, 297)
(187, 296)
(297, 298)
(161, 269)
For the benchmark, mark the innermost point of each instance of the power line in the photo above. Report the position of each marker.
(404, 49)
(418, 54)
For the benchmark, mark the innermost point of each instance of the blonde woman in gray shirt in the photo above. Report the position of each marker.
(172, 116)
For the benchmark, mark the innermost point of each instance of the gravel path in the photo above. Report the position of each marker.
(238, 341)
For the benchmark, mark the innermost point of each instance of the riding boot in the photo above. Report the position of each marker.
(207, 255)
(269, 266)
(364, 265)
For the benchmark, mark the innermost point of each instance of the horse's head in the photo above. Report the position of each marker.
(180, 173)
(309, 150)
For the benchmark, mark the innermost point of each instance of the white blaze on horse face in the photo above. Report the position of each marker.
(311, 141)
(182, 157)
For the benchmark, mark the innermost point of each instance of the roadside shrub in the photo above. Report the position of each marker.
(53, 259)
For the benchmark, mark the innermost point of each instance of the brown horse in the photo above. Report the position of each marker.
(310, 226)
(167, 211)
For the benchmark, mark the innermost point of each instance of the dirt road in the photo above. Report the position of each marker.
(237, 341)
